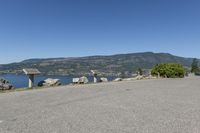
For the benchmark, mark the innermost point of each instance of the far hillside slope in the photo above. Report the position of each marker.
(108, 65)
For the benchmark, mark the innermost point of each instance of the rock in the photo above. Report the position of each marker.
(139, 77)
(150, 77)
(118, 79)
(103, 80)
(50, 82)
(81, 80)
(75, 80)
(153, 77)
(129, 79)
(134, 75)
(5, 85)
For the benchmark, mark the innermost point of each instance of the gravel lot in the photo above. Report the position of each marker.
(146, 106)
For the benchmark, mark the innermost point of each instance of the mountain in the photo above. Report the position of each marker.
(107, 65)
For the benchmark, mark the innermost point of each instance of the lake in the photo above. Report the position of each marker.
(21, 81)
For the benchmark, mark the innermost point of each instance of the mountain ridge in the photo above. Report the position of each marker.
(105, 64)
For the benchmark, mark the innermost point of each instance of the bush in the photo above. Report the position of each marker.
(169, 70)
(194, 66)
(197, 72)
(140, 71)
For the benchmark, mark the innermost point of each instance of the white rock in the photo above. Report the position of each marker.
(50, 82)
(81, 80)
(103, 80)
(129, 79)
(75, 80)
(118, 79)
(139, 77)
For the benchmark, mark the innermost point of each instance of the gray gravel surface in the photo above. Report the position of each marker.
(146, 106)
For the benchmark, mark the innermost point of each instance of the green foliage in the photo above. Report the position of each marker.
(197, 72)
(195, 67)
(140, 71)
(169, 70)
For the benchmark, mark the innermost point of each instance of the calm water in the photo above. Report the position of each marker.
(21, 81)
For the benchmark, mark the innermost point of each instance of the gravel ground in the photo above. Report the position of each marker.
(146, 106)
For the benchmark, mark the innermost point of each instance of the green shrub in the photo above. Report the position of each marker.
(197, 72)
(169, 70)
(140, 71)
(194, 66)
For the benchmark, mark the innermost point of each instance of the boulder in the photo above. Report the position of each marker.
(75, 80)
(150, 77)
(81, 80)
(50, 82)
(5, 85)
(118, 79)
(129, 79)
(139, 77)
(103, 80)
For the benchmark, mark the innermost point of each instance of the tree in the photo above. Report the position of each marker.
(169, 70)
(140, 71)
(194, 66)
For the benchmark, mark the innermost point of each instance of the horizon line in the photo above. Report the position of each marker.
(100, 55)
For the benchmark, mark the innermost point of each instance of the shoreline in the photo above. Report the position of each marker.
(21, 81)
(74, 85)
(91, 83)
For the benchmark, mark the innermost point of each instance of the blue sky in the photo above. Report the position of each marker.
(68, 28)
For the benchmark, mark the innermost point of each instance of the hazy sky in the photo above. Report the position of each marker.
(63, 28)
